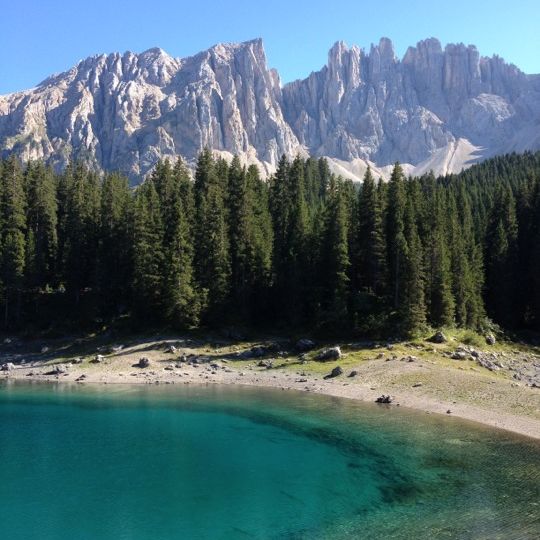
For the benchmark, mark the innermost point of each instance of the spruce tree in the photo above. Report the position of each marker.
(148, 256)
(182, 299)
(412, 307)
(12, 240)
(115, 250)
(370, 247)
(502, 260)
(42, 220)
(336, 255)
(396, 243)
(441, 301)
(212, 262)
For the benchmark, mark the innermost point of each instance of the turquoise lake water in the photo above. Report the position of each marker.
(120, 462)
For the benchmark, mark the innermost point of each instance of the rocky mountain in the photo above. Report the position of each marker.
(439, 109)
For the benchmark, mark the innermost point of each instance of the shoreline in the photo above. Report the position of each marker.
(120, 370)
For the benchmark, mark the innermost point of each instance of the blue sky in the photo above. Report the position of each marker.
(40, 37)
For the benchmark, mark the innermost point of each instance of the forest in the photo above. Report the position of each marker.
(224, 247)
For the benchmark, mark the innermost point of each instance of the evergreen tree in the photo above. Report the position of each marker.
(441, 301)
(211, 234)
(12, 239)
(183, 300)
(42, 221)
(148, 256)
(370, 254)
(81, 232)
(502, 260)
(336, 255)
(115, 250)
(396, 243)
(412, 306)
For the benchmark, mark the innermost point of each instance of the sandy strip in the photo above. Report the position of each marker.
(372, 380)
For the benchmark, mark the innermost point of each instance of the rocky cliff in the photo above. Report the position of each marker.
(439, 109)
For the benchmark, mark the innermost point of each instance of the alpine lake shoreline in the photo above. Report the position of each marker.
(497, 384)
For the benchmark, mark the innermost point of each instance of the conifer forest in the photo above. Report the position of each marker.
(302, 248)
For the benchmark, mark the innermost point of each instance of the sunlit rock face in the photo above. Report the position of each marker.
(439, 109)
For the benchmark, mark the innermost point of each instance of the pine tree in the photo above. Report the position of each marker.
(239, 231)
(502, 260)
(212, 261)
(12, 240)
(336, 255)
(148, 256)
(467, 265)
(412, 307)
(441, 301)
(291, 233)
(534, 261)
(42, 220)
(81, 222)
(114, 253)
(183, 300)
(370, 247)
(396, 243)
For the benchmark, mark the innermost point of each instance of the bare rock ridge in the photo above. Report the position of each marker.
(440, 109)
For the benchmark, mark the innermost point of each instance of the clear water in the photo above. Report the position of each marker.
(232, 463)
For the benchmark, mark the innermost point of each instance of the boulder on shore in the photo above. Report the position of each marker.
(8, 366)
(332, 353)
(143, 362)
(336, 372)
(490, 339)
(384, 399)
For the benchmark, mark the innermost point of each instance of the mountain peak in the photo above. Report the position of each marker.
(436, 108)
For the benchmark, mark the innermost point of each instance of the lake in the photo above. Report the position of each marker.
(213, 462)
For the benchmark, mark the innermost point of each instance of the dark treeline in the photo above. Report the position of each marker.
(302, 249)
